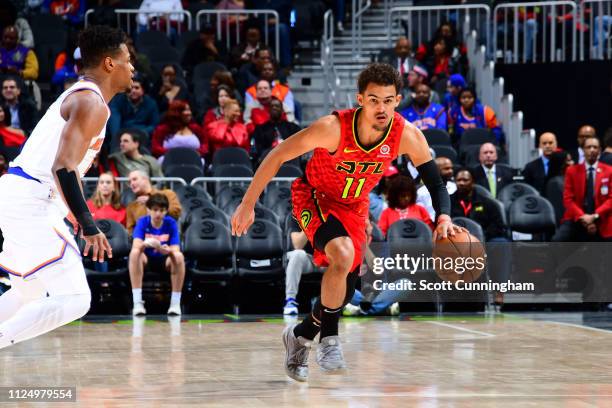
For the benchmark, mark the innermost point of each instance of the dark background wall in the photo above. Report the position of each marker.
(561, 97)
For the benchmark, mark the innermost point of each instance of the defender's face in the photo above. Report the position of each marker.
(379, 103)
(123, 70)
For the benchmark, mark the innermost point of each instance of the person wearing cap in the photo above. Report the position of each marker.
(205, 48)
(424, 114)
(455, 84)
(417, 76)
(378, 196)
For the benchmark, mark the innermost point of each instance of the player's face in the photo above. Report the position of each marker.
(464, 182)
(123, 68)
(379, 103)
(106, 186)
(157, 214)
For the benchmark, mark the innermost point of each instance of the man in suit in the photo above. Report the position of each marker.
(488, 174)
(587, 198)
(399, 57)
(536, 171)
(584, 132)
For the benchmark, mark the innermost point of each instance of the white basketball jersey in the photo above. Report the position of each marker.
(40, 150)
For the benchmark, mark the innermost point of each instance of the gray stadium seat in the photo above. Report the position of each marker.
(445, 151)
(209, 244)
(231, 155)
(532, 214)
(259, 253)
(513, 191)
(412, 237)
(472, 226)
(181, 156)
(554, 194)
(437, 137)
(185, 171)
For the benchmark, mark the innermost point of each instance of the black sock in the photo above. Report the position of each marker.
(329, 321)
(310, 326)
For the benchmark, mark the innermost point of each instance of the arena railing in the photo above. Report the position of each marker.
(523, 22)
(422, 21)
(332, 80)
(174, 17)
(597, 15)
(223, 23)
(171, 182)
(205, 180)
(359, 8)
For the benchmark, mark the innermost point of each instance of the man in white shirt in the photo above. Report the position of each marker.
(445, 165)
(584, 132)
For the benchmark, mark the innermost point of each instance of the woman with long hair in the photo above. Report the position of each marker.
(169, 88)
(178, 129)
(224, 94)
(229, 131)
(106, 200)
(402, 204)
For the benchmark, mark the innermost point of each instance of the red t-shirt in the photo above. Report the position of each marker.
(107, 212)
(391, 215)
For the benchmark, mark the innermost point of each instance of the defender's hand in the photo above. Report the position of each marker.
(99, 245)
(242, 219)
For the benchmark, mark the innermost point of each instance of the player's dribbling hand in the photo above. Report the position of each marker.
(242, 219)
(445, 228)
(99, 245)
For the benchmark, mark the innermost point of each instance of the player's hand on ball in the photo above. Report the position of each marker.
(98, 245)
(242, 219)
(445, 228)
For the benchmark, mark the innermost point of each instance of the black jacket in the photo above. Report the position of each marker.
(484, 211)
(264, 135)
(503, 176)
(534, 174)
(28, 114)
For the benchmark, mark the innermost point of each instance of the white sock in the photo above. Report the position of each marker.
(137, 295)
(176, 298)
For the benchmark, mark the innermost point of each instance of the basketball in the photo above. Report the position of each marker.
(461, 257)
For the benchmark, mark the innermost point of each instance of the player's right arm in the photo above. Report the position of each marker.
(324, 133)
(85, 115)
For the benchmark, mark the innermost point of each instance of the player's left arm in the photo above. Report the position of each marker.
(414, 144)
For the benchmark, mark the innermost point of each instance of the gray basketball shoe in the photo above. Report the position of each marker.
(296, 354)
(329, 354)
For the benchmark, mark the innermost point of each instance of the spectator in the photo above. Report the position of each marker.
(440, 64)
(229, 131)
(378, 196)
(399, 57)
(471, 114)
(106, 200)
(10, 136)
(161, 6)
(141, 63)
(283, 8)
(142, 189)
(417, 76)
(16, 59)
(221, 77)
(10, 14)
(445, 166)
(66, 64)
(281, 91)
(424, 114)
(129, 158)
(402, 204)
(257, 112)
(243, 53)
(299, 262)
(466, 202)
(134, 109)
(488, 174)
(205, 48)
(169, 89)
(23, 112)
(587, 198)
(3, 165)
(235, 22)
(250, 73)
(606, 155)
(456, 83)
(177, 129)
(536, 171)
(584, 132)
(447, 31)
(157, 244)
(224, 94)
(70, 10)
(274, 131)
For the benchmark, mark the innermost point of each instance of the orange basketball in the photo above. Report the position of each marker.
(461, 257)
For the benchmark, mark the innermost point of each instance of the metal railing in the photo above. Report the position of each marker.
(177, 18)
(528, 20)
(359, 8)
(331, 78)
(123, 181)
(422, 21)
(597, 16)
(225, 24)
(205, 180)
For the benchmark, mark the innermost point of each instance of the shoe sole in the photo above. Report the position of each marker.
(287, 371)
(333, 371)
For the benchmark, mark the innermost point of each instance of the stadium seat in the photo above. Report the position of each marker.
(185, 171)
(229, 193)
(127, 196)
(532, 214)
(289, 170)
(472, 226)
(476, 136)
(482, 191)
(162, 54)
(282, 208)
(181, 156)
(554, 194)
(437, 137)
(259, 253)
(276, 192)
(502, 211)
(231, 155)
(152, 39)
(186, 192)
(412, 237)
(263, 213)
(185, 39)
(232, 170)
(208, 211)
(512, 191)
(208, 243)
(445, 151)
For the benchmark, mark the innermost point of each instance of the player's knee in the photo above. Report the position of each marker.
(341, 254)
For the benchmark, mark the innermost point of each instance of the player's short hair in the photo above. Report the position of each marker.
(99, 41)
(158, 200)
(379, 74)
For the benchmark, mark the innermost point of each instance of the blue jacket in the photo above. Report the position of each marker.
(431, 118)
(143, 116)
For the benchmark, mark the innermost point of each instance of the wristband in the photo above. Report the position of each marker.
(73, 195)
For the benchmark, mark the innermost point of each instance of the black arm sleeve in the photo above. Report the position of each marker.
(439, 195)
(74, 198)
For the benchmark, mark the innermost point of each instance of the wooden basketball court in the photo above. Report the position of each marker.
(228, 361)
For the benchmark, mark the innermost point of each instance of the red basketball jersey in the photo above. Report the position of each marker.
(349, 174)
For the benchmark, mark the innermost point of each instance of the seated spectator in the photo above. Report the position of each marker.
(224, 94)
(66, 67)
(424, 114)
(23, 112)
(134, 109)
(447, 31)
(456, 83)
(141, 63)
(283, 8)
(400, 57)
(299, 262)
(106, 200)
(170, 89)
(466, 202)
(606, 155)
(445, 166)
(261, 104)
(250, 73)
(16, 59)
(178, 129)
(157, 245)
(472, 114)
(243, 53)
(11, 15)
(70, 10)
(229, 131)
(584, 132)
(417, 76)
(10, 136)
(274, 131)
(402, 204)
(142, 189)
(281, 91)
(129, 158)
(221, 77)
(205, 48)
(3, 165)
(536, 171)
(587, 199)
(440, 63)
(488, 174)
(378, 196)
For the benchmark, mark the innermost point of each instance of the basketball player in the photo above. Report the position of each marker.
(352, 148)
(42, 186)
